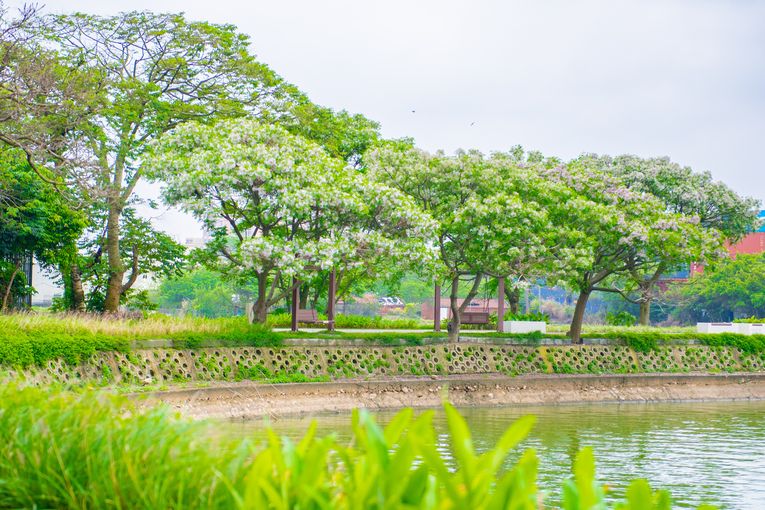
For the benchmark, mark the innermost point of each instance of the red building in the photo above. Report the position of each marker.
(752, 244)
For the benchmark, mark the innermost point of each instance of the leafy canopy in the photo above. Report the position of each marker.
(279, 205)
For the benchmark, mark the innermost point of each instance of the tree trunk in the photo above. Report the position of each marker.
(7, 294)
(513, 295)
(575, 332)
(116, 268)
(645, 311)
(260, 307)
(78, 293)
(646, 297)
(304, 290)
(454, 322)
(259, 312)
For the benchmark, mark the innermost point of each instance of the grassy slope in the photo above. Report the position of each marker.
(27, 339)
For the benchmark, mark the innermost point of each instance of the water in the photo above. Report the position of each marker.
(701, 452)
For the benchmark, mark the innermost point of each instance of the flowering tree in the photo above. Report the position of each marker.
(109, 86)
(491, 219)
(707, 213)
(624, 229)
(279, 206)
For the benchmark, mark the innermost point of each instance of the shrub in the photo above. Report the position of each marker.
(343, 321)
(750, 320)
(532, 316)
(623, 318)
(27, 339)
(92, 450)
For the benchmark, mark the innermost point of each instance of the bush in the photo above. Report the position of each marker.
(33, 339)
(750, 320)
(284, 320)
(60, 450)
(623, 318)
(532, 316)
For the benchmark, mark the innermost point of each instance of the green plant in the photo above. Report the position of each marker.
(94, 450)
(531, 316)
(750, 320)
(623, 318)
(343, 321)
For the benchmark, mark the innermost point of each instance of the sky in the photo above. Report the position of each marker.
(685, 79)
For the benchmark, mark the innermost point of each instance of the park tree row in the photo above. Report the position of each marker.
(83, 97)
(290, 190)
(292, 211)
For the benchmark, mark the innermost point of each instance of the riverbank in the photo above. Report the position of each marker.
(248, 400)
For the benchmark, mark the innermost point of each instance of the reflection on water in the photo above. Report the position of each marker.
(701, 452)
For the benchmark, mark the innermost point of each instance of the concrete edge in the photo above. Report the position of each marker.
(248, 400)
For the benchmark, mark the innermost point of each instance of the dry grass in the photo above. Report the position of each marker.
(158, 326)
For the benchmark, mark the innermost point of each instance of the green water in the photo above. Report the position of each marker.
(701, 452)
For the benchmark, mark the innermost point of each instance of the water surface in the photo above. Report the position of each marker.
(702, 452)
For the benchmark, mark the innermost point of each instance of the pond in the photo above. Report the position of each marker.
(710, 452)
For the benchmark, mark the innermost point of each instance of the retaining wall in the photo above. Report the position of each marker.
(164, 365)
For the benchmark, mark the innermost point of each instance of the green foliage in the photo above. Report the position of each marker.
(260, 372)
(531, 316)
(141, 301)
(93, 450)
(706, 211)
(204, 292)
(291, 205)
(750, 320)
(733, 288)
(35, 340)
(750, 344)
(22, 349)
(34, 220)
(348, 321)
(143, 249)
(641, 343)
(623, 318)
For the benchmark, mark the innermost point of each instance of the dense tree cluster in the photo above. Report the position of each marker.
(290, 190)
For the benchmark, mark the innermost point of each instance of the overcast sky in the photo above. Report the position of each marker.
(679, 78)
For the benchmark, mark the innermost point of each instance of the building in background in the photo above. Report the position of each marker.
(751, 244)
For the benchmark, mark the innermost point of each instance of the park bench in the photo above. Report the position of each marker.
(478, 318)
(310, 317)
(474, 317)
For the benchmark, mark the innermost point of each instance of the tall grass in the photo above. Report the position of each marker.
(88, 451)
(27, 339)
(152, 327)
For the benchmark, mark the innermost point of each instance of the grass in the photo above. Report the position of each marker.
(602, 329)
(34, 339)
(349, 321)
(94, 450)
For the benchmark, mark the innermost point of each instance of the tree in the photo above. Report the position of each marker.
(145, 250)
(714, 213)
(734, 288)
(622, 228)
(200, 291)
(490, 219)
(280, 207)
(34, 221)
(153, 72)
